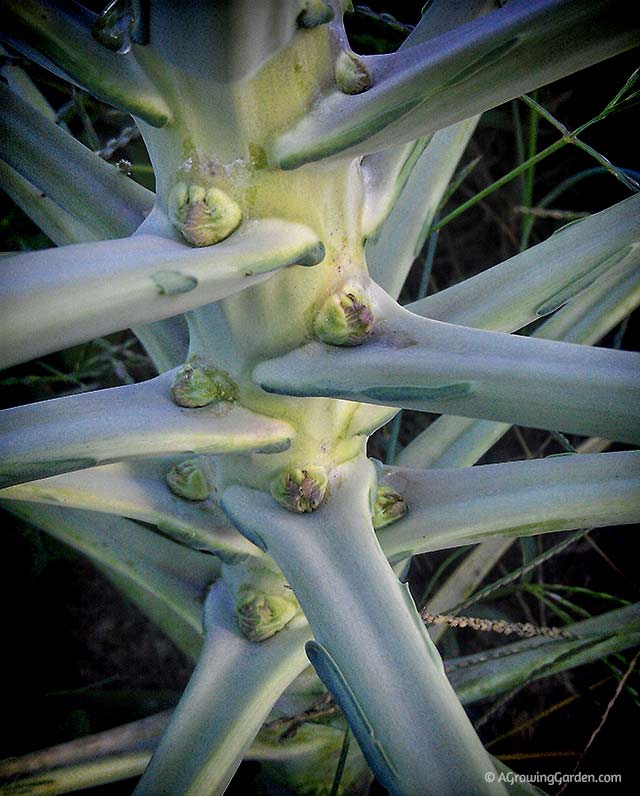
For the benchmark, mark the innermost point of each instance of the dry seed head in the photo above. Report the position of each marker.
(345, 318)
(390, 507)
(261, 615)
(300, 489)
(352, 75)
(203, 216)
(192, 479)
(196, 384)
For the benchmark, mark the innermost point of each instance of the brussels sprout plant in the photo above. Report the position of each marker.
(231, 497)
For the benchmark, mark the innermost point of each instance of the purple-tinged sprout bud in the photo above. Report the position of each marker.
(261, 615)
(300, 489)
(390, 507)
(192, 479)
(345, 318)
(314, 13)
(203, 216)
(352, 75)
(197, 384)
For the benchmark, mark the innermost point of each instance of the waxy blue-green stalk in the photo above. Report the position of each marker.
(279, 157)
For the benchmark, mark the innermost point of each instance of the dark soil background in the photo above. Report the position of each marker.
(77, 659)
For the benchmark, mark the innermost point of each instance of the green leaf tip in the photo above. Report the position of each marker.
(345, 318)
(262, 614)
(314, 13)
(170, 283)
(300, 490)
(390, 506)
(203, 216)
(197, 384)
(351, 73)
(193, 479)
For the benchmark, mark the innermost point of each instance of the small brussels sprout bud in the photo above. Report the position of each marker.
(203, 216)
(352, 75)
(390, 507)
(192, 479)
(345, 318)
(111, 27)
(314, 13)
(300, 489)
(196, 384)
(261, 615)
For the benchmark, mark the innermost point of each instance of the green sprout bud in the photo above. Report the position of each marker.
(192, 479)
(196, 384)
(300, 489)
(111, 27)
(390, 507)
(352, 75)
(203, 216)
(314, 13)
(345, 318)
(261, 615)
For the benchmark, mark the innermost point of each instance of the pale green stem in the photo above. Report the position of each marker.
(459, 442)
(449, 442)
(472, 570)
(395, 246)
(427, 365)
(79, 776)
(92, 289)
(230, 694)
(138, 489)
(121, 423)
(165, 579)
(93, 191)
(58, 225)
(452, 441)
(60, 37)
(461, 73)
(478, 676)
(442, 16)
(558, 493)
(22, 85)
(108, 756)
(536, 282)
(388, 173)
(370, 648)
(166, 342)
(475, 677)
(125, 752)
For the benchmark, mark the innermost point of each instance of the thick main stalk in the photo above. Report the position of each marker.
(371, 649)
(229, 696)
